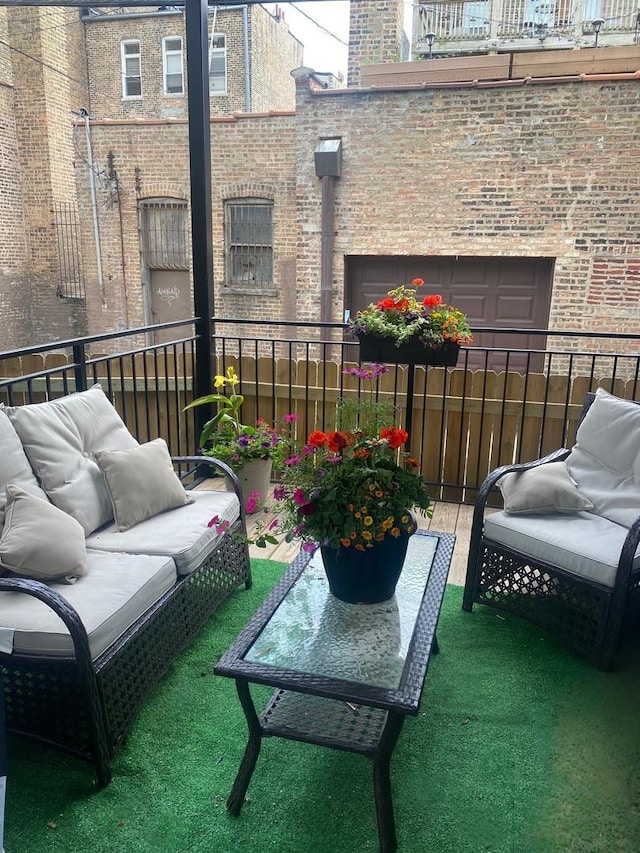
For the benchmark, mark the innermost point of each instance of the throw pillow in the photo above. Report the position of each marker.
(39, 540)
(544, 489)
(141, 482)
(14, 465)
(60, 438)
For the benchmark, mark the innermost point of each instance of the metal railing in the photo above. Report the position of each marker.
(498, 405)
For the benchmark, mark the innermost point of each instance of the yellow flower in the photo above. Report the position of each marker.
(379, 493)
(358, 514)
(372, 487)
(220, 380)
(232, 376)
(367, 521)
(366, 534)
(405, 519)
(395, 531)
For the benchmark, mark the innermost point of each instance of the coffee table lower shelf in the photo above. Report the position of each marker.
(324, 722)
(333, 723)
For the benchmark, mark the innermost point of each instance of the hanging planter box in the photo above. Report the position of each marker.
(378, 349)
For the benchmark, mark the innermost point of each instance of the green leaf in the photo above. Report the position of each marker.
(210, 398)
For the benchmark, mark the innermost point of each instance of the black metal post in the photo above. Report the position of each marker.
(197, 42)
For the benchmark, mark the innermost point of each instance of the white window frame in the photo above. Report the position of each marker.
(167, 54)
(218, 52)
(123, 66)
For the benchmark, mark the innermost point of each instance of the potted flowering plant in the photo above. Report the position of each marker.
(351, 491)
(401, 328)
(252, 451)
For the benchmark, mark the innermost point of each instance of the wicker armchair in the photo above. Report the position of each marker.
(574, 573)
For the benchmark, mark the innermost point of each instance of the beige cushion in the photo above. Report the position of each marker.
(544, 489)
(14, 465)
(141, 482)
(182, 533)
(60, 438)
(39, 540)
(582, 543)
(605, 459)
(117, 590)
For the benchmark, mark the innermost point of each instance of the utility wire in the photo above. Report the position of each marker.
(318, 25)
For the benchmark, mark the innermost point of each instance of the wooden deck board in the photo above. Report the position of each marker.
(446, 518)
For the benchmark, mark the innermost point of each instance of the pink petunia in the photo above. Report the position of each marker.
(213, 521)
(290, 418)
(299, 497)
(273, 524)
(292, 460)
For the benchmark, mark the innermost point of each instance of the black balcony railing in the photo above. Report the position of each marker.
(499, 404)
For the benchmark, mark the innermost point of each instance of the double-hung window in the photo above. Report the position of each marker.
(172, 65)
(131, 68)
(249, 242)
(218, 64)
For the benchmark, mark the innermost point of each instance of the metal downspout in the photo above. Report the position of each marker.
(94, 203)
(247, 59)
(326, 248)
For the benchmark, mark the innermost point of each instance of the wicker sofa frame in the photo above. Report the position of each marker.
(587, 616)
(86, 707)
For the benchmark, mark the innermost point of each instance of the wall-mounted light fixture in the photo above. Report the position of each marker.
(430, 37)
(596, 26)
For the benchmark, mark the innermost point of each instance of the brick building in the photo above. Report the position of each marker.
(516, 200)
(95, 176)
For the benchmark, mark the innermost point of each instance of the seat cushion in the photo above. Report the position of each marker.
(181, 533)
(117, 589)
(583, 543)
(14, 465)
(60, 438)
(141, 482)
(605, 460)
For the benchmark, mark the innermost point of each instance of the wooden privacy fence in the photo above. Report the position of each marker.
(464, 423)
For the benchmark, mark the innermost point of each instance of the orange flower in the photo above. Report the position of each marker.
(361, 453)
(386, 304)
(359, 547)
(346, 543)
(412, 463)
(417, 282)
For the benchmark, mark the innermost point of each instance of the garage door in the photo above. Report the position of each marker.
(509, 293)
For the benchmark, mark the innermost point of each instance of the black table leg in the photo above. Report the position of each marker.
(382, 783)
(252, 750)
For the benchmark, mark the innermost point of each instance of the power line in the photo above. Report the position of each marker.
(318, 25)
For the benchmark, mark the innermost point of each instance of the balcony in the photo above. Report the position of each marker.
(480, 26)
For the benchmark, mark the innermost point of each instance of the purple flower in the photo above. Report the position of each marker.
(273, 524)
(310, 547)
(251, 504)
(307, 449)
(279, 493)
(292, 460)
(299, 497)
(290, 418)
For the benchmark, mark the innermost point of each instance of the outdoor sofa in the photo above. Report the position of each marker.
(109, 570)
(564, 553)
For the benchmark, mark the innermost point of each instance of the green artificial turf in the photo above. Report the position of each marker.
(519, 747)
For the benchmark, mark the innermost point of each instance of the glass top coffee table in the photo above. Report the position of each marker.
(346, 675)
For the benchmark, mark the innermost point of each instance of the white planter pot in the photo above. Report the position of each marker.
(255, 479)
